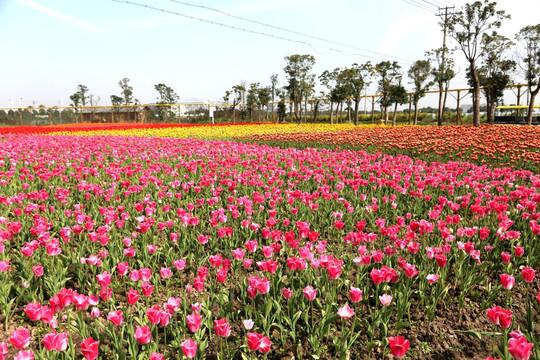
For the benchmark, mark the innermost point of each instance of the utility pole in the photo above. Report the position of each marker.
(442, 70)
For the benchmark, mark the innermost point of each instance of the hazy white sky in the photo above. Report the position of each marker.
(51, 46)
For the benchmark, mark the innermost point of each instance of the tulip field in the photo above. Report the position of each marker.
(269, 241)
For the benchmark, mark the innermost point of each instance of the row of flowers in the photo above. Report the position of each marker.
(163, 247)
(517, 146)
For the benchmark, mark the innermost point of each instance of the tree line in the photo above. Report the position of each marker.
(490, 70)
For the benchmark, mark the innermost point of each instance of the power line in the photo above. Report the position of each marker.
(258, 32)
(430, 3)
(283, 29)
(419, 5)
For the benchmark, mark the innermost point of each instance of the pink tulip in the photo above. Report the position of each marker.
(248, 324)
(287, 293)
(356, 294)
(345, 312)
(520, 348)
(310, 293)
(194, 322)
(143, 335)
(53, 341)
(24, 355)
(4, 351)
(499, 316)
(385, 299)
(116, 317)
(507, 281)
(157, 356)
(37, 270)
(189, 348)
(20, 339)
(222, 327)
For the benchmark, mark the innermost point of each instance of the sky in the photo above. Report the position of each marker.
(51, 46)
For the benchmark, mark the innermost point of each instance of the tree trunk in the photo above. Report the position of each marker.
(440, 113)
(331, 112)
(356, 106)
(531, 103)
(340, 112)
(444, 101)
(234, 114)
(305, 110)
(385, 115)
(394, 116)
(291, 111)
(490, 106)
(410, 103)
(251, 116)
(415, 121)
(475, 95)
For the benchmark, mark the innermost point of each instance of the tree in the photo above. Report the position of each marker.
(263, 98)
(419, 73)
(116, 101)
(167, 96)
(252, 99)
(281, 111)
(297, 68)
(529, 36)
(443, 73)
(79, 98)
(467, 27)
(273, 91)
(388, 73)
(397, 96)
(127, 91)
(355, 79)
(494, 71)
(236, 94)
(330, 79)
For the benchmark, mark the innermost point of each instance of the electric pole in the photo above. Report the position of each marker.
(442, 70)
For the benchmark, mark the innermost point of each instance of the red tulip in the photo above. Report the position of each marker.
(398, 346)
(189, 348)
(90, 348)
(528, 274)
(132, 296)
(254, 340)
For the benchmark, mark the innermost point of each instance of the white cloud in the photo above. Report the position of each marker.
(61, 16)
